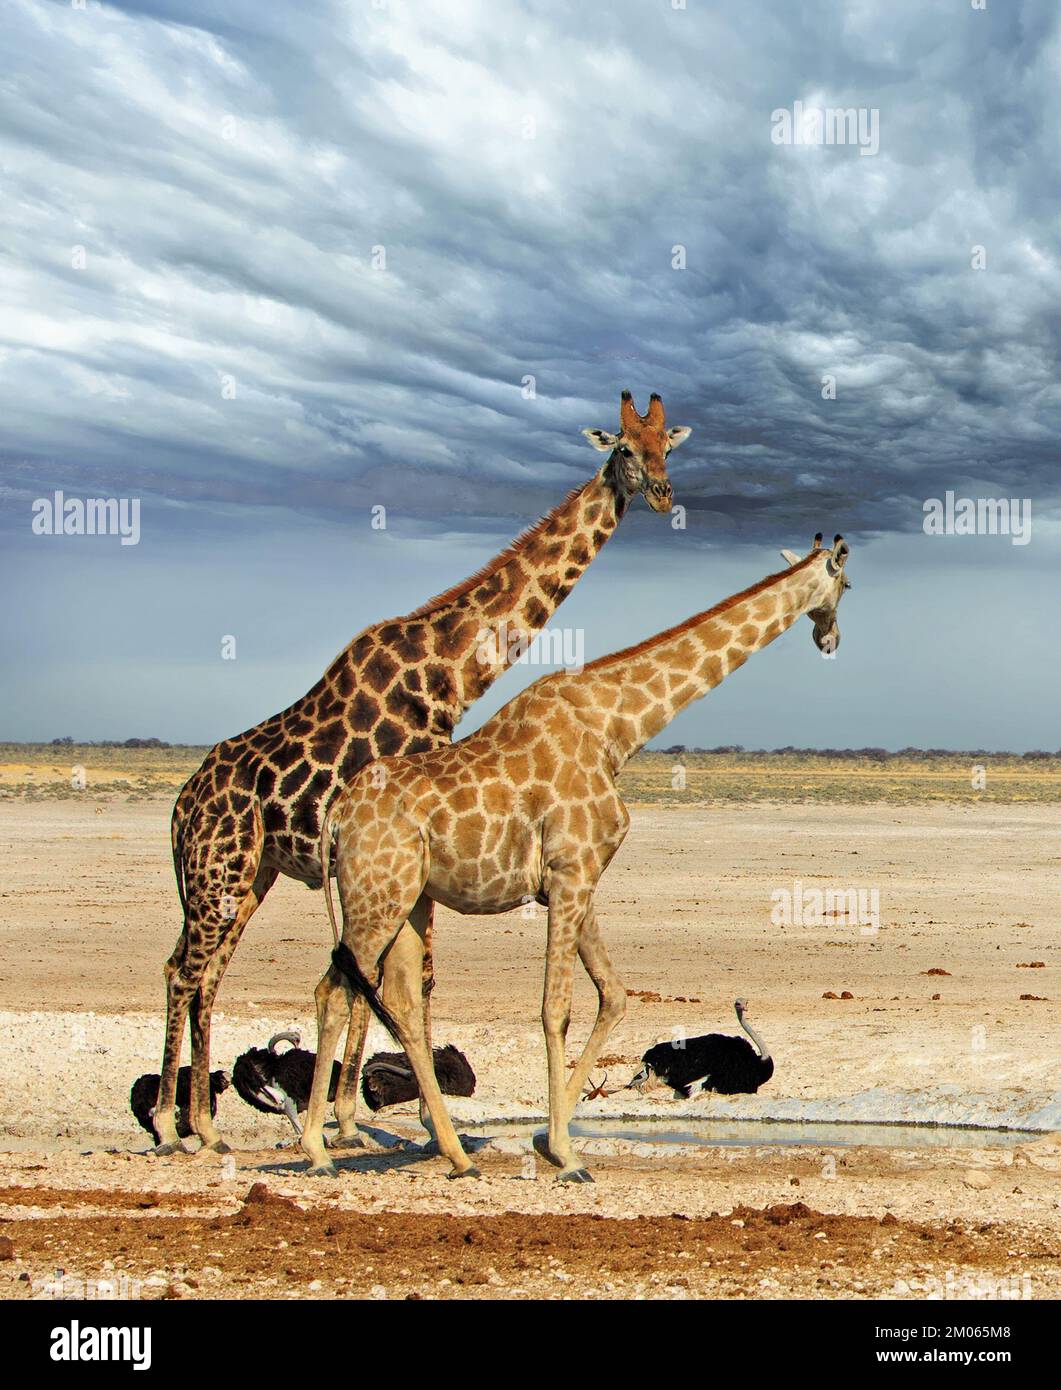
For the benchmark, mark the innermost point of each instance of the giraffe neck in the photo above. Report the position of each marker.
(515, 596)
(465, 638)
(662, 676)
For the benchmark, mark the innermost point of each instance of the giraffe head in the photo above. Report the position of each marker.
(639, 451)
(833, 583)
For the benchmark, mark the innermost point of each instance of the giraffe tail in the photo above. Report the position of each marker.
(176, 835)
(327, 840)
(345, 962)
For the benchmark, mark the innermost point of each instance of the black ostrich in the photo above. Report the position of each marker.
(279, 1083)
(715, 1062)
(387, 1078)
(144, 1096)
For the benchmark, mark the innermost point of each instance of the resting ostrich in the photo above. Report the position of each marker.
(144, 1097)
(388, 1078)
(278, 1083)
(715, 1062)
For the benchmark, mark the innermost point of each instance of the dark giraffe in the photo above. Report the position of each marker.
(254, 808)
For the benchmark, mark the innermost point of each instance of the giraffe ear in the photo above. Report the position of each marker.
(790, 556)
(839, 554)
(679, 434)
(601, 439)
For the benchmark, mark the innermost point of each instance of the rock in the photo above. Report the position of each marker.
(1041, 1153)
(974, 1178)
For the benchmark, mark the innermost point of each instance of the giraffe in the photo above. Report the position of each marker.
(526, 809)
(253, 809)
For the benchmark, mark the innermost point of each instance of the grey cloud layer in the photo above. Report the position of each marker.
(228, 171)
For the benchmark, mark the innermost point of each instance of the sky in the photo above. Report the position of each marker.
(265, 268)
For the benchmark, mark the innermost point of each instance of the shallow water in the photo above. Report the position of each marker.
(728, 1134)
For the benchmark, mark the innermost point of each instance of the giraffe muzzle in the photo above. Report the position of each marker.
(659, 496)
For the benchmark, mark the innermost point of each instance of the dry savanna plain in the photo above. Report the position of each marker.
(892, 922)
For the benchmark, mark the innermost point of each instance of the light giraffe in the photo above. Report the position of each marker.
(254, 808)
(526, 808)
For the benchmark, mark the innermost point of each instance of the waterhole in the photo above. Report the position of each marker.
(730, 1134)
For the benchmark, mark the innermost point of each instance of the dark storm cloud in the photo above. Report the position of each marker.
(229, 170)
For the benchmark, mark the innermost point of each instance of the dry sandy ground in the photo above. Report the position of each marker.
(88, 914)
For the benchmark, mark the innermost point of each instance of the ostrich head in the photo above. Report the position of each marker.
(646, 1080)
(740, 1007)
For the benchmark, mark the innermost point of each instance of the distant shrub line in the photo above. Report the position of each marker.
(875, 755)
(115, 743)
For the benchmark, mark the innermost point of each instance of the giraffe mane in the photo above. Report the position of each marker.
(499, 561)
(698, 618)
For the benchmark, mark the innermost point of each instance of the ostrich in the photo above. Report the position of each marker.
(387, 1078)
(143, 1097)
(278, 1083)
(714, 1062)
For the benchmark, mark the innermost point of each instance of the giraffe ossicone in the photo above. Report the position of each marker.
(526, 808)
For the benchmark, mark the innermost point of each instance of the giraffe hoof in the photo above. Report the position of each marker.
(575, 1175)
(471, 1172)
(217, 1147)
(345, 1141)
(322, 1170)
(164, 1150)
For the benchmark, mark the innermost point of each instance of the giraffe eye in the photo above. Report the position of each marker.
(625, 450)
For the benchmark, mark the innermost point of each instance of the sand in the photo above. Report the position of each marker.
(690, 908)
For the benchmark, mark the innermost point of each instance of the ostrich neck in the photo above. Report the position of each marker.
(760, 1045)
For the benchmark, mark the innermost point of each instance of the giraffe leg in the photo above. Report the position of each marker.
(202, 1005)
(403, 996)
(346, 1091)
(333, 997)
(375, 903)
(611, 1005)
(349, 1074)
(567, 908)
(178, 995)
(427, 977)
(219, 894)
